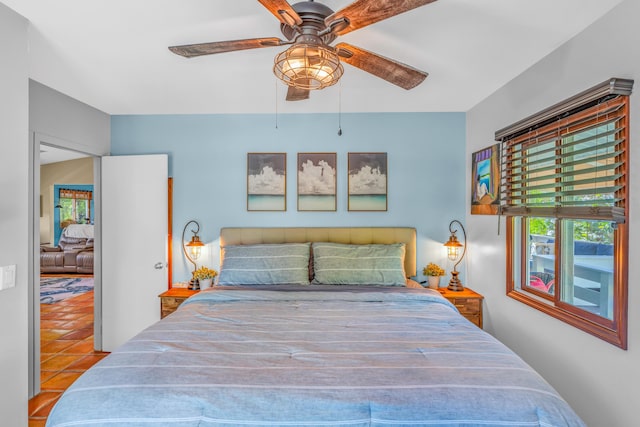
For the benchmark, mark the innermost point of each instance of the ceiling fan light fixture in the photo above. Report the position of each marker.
(308, 66)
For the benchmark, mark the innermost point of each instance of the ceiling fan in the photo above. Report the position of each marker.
(310, 28)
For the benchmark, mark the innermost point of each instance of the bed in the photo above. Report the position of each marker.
(308, 353)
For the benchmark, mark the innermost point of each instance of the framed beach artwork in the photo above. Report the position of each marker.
(317, 181)
(485, 181)
(266, 181)
(367, 181)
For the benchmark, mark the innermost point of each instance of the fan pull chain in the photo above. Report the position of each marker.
(340, 108)
(276, 83)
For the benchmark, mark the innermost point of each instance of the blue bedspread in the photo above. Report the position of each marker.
(312, 356)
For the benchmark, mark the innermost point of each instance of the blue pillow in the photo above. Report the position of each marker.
(265, 264)
(342, 264)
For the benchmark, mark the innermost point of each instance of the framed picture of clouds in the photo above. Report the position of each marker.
(367, 181)
(266, 181)
(317, 181)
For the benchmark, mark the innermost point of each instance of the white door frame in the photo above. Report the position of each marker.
(36, 139)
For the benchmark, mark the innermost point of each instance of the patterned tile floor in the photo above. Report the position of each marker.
(66, 347)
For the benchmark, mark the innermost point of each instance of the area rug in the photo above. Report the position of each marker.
(54, 289)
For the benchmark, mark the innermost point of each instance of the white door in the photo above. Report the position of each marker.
(134, 244)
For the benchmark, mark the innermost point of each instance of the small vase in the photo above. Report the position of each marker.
(205, 283)
(434, 282)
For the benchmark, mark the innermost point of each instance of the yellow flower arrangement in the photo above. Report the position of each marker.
(204, 273)
(433, 270)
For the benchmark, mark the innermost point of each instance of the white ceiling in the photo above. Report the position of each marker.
(49, 154)
(112, 54)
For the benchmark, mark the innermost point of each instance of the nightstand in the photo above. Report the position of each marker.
(468, 303)
(171, 299)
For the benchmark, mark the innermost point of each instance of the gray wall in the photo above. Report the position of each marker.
(60, 120)
(55, 119)
(598, 379)
(14, 209)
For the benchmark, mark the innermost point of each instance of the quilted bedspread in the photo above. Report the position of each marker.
(312, 356)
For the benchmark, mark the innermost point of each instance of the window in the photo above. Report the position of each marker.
(565, 195)
(75, 207)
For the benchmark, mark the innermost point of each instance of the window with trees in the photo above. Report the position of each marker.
(75, 206)
(565, 195)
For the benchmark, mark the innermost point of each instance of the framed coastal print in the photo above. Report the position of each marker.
(266, 181)
(367, 181)
(485, 181)
(317, 181)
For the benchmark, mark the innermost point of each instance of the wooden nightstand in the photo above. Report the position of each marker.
(171, 299)
(468, 302)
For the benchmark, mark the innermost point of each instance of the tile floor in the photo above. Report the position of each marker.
(66, 347)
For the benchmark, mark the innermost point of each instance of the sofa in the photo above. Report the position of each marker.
(74, 254)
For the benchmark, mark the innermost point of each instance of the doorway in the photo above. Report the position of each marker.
(64, 274)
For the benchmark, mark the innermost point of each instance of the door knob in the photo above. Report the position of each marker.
(159, 265)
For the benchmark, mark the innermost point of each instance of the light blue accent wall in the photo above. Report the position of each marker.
(208, 161)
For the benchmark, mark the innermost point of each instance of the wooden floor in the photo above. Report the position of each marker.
(66, 347)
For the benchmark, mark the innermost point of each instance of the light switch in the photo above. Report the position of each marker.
(7, 276)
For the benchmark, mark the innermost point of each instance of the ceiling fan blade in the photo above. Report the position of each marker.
(282, 10)
(297, 94)
(392, 71)
(191, 50)
(361, 13)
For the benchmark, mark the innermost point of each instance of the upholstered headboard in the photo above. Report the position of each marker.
(351, 235)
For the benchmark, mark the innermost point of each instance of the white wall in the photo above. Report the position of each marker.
(14, 205)
(599, 380)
